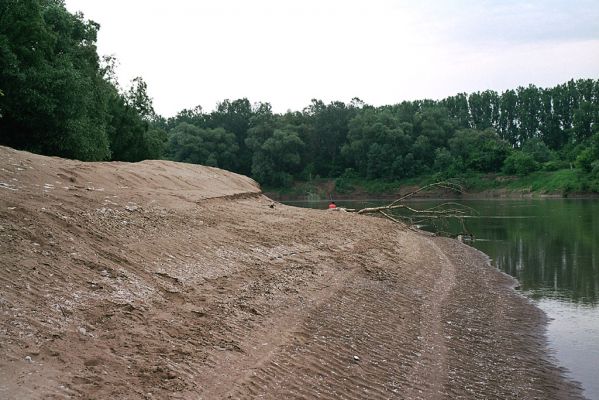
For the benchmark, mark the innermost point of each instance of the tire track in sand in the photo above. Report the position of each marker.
(429, 374)
(396, 358)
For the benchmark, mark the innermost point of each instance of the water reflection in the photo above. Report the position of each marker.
(552, 252)
(573, 333)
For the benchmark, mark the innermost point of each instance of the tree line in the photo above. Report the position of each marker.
(515, 132)
(58, 97)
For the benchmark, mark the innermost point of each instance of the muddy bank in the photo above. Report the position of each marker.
(165, 280)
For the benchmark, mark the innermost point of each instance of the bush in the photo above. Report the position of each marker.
(538, 150)
(343, 185)
(585, 160)
(282, 179)
(555, 165)
(520, 164)
(350, 173)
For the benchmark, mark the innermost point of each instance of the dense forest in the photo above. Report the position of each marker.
(58, 97)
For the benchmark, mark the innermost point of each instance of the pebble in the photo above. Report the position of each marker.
(28, 359)
(82, 331)
(356, 358)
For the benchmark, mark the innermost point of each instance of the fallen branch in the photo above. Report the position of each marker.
(442, 212)
(450, 185)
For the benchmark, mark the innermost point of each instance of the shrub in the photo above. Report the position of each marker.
(520, 164)
(555, 165)
(585, 160)
(343, 185)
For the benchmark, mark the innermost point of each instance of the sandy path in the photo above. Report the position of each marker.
(164, 280)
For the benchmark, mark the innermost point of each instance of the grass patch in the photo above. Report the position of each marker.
(563, 181)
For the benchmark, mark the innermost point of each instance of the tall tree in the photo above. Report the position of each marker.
(508, 118)
(377, 144)
(458, 108)
(528, 108)
(49, 72)
(276, 153)
(329, 132)
(234, 116)
(214, 147)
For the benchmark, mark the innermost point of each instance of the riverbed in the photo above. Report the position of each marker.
(551, 247)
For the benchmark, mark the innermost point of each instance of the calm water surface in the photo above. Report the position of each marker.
(552, 248)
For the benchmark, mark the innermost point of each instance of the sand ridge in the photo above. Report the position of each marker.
(164, 280)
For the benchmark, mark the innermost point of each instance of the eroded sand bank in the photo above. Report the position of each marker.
(164, 280)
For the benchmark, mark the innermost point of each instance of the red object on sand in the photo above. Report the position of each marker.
(332, 205)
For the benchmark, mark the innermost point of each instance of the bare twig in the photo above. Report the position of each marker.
(443, 185)
(441, 212)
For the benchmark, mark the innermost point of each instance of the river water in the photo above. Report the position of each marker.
(552, 247)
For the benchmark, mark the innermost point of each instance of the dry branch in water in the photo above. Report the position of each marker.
(442, 211)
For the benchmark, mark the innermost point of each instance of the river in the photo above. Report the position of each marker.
(552, 247)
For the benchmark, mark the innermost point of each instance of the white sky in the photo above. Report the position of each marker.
(287, 52)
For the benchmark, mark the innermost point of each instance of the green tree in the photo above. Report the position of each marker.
(60, 99)
(528, 108)
(155, 140)
(551, 130)
(235, 116)
(520, 163)
(508, 118)
(484, 109)
(435, 124)
(214, 147)
(377, 143)
(479, 150)
(49, 72)
(276, 155)
(137, 97)
(194, 116)
(328, 132)
(458, 108)
(538, 150)
(585, 116)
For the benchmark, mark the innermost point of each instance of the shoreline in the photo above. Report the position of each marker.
(525, 317)
(435, 195)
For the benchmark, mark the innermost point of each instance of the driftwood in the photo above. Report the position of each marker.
(442, 212)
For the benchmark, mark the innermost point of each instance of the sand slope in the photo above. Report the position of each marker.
(163, 280)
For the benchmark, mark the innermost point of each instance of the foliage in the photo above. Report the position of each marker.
(58, 97)
(479, 150)
(214, 147)
(276, 154)
(377, 144)
(562, 181)
(520, 163)
(538, 150)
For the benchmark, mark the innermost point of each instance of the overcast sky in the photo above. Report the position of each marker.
(382, 51)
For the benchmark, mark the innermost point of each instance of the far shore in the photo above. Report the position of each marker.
(496, 194)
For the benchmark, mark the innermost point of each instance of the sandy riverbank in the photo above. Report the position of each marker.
(164, 280)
